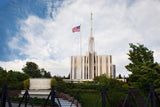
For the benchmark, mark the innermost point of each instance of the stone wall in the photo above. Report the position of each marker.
(39, 83)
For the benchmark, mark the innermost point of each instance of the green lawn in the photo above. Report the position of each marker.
(90, 99)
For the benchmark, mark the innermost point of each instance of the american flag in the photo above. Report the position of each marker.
(76, 29)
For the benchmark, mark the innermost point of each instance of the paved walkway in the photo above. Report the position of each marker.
(22, 105)
(64, 103)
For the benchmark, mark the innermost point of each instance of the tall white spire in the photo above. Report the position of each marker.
(91, 39)
(91, 24)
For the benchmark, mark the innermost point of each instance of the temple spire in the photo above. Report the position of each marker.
(91, 25)
(91, 39)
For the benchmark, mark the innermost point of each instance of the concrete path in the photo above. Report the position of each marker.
(22, 105)
(64, 103)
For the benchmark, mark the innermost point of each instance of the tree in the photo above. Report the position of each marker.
(68, 77)
(144, 70)
(15, 76)
(3, 75)
(32, 70)
(119, 76)
(45, 74)
(15, 79)
(138, 55)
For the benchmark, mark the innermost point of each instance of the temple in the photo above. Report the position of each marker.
(85, 68)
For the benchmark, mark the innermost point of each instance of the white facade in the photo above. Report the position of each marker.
(87, 67)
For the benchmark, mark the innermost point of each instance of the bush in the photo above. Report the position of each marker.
(26, 84)
(90, 91)
(53, 82)
(15, 85)
(157, 83)
(61, 86)
(125, 86)
(37, 101)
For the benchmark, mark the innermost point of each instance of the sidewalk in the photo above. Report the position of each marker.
(22, 105)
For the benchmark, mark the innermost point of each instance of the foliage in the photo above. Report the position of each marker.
(158, 91)
(45, 74)
(90, 91)
(145, 71)
(125, 86)
(58, 78)
(61, 86)
(89, 99)
(15, 85)
(3, 75)
(108, 82)
(103, 80)
(96, 79)
(64, 87)
(156, 83)
(138, 55)
(37, 101)
(33, 71)
(53, 82)
(26, 84)
(119, 76)
(13, 79)
(16, 76)
(68, 77)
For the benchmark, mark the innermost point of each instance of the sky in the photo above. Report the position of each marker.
(41, 31)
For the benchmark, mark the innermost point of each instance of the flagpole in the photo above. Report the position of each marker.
(80, 42)
(81, 51)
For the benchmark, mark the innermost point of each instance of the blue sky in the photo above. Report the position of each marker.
(40, 31)
(11, 11)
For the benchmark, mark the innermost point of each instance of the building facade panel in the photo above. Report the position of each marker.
(91, 65)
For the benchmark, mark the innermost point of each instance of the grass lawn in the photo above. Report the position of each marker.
(90, 99)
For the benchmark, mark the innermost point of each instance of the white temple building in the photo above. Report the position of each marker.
(85, 68)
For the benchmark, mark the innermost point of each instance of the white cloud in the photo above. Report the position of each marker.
(115, 25)
(54, 67)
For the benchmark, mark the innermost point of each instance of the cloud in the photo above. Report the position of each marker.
(115, 24)
(54, 67)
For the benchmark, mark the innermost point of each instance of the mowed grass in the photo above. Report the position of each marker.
(90, 99)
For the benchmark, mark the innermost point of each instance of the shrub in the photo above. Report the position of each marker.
(157, 91)
(53, 82)
(15, 85)
(37, 101)
(157, 83)
(61, 86)
(26, 84)
(125, 86)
